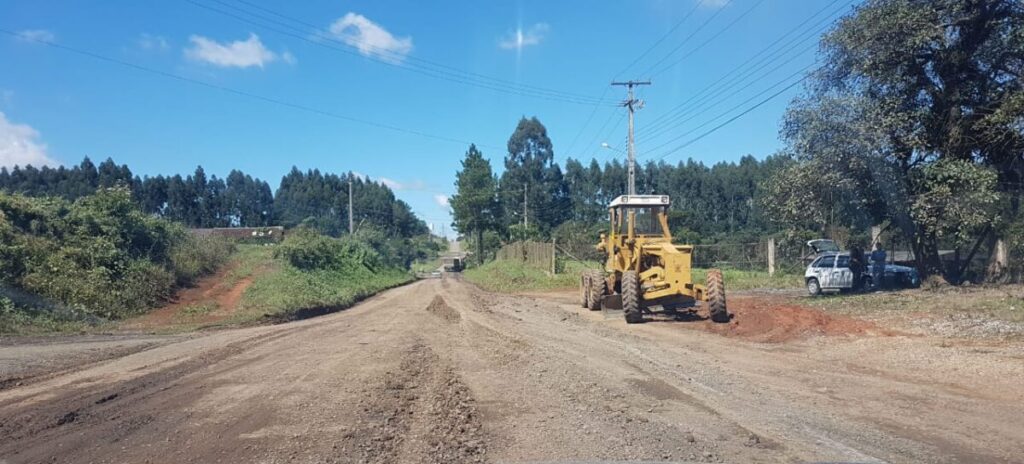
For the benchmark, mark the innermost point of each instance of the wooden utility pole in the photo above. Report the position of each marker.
(526, 218)
(351, 220)
(632, 105)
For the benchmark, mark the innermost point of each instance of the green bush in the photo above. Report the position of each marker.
(306, 249)
(99, 254)
(195, 257)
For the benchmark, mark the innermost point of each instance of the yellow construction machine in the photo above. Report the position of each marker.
(644, 268)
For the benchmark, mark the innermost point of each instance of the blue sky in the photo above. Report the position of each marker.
(462, 70)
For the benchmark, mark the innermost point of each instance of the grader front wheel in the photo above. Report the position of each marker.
(631, 297)
(715, 289)
(598, 288)
(584, 289)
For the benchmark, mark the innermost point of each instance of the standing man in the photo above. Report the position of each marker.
(877, 265)
(857, 267)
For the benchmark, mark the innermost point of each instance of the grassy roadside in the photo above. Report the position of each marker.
(736, 279)
(1004, 303)
(287, 291)
(510, 277)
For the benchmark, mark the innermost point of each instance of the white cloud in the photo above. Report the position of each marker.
(519, 38)
(150, 42)
(714, 4)
(441, 200)
(36, 35)
(396, 185)
(20, 145)
(238, 54)
(370, 38)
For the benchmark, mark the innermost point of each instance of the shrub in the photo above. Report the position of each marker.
(100, 254)
(195, 256)
(306, 249)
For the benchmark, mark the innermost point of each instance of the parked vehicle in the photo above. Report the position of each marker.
(830, 271)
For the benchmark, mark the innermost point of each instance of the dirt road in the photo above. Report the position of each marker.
(438, 371)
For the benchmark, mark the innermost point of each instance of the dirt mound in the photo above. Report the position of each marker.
(440, 308)
(775, 320)
(421, 412)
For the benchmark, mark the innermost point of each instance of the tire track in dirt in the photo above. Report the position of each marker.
(101, 413)
(421, 412)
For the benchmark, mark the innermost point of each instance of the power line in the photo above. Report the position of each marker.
(730, 120)
(235, 91)
(414, 58)
(687, 39)
(713, 37)
(697, 110)
(586, 124)
(725, 82)
(737, 106)
(661, 39)
(389, 58)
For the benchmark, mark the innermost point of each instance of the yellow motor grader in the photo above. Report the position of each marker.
(644, 268)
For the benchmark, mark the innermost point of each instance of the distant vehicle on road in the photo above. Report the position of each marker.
(830, 271)
(452, 263)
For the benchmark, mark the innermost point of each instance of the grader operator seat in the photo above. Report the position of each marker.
(643, 267)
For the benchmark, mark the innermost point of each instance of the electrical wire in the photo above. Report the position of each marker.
(389, 58)
(725, 82)
(710, 39)
(687, 39)
(237, 92)
(734, 118)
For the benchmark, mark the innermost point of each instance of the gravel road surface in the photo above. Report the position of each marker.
(439, 371)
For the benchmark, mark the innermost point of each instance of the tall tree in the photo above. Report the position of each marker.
(475, 207)
(914, 98)
(531, 175)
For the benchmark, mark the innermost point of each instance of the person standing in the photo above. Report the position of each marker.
(877, 265)
(857, 267)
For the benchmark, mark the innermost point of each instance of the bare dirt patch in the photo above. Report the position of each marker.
(775, 320)
(213, 299)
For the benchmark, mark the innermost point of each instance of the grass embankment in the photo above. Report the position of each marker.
(511, 277)
(310, 274)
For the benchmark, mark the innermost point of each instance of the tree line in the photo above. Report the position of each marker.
(310, 198)
(914, 121)
(534, 198)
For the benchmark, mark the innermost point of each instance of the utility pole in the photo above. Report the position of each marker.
(351, 222)
(526, 218)
(632, 105)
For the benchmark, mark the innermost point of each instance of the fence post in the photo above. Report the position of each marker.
(771, 256)
(553, 254)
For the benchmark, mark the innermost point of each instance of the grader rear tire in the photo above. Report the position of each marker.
(631, 298)
(715, 289)
(598, 289)
(584, 289)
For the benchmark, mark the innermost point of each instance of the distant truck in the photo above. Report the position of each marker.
(452, 264)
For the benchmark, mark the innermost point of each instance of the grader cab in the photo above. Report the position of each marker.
(644, 268)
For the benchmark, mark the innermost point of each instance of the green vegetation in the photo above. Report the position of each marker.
(30, 322)
(914, 119)
(736, 279)
(314, 272)
(97, 257)
(1004, 303)
(510, 277)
